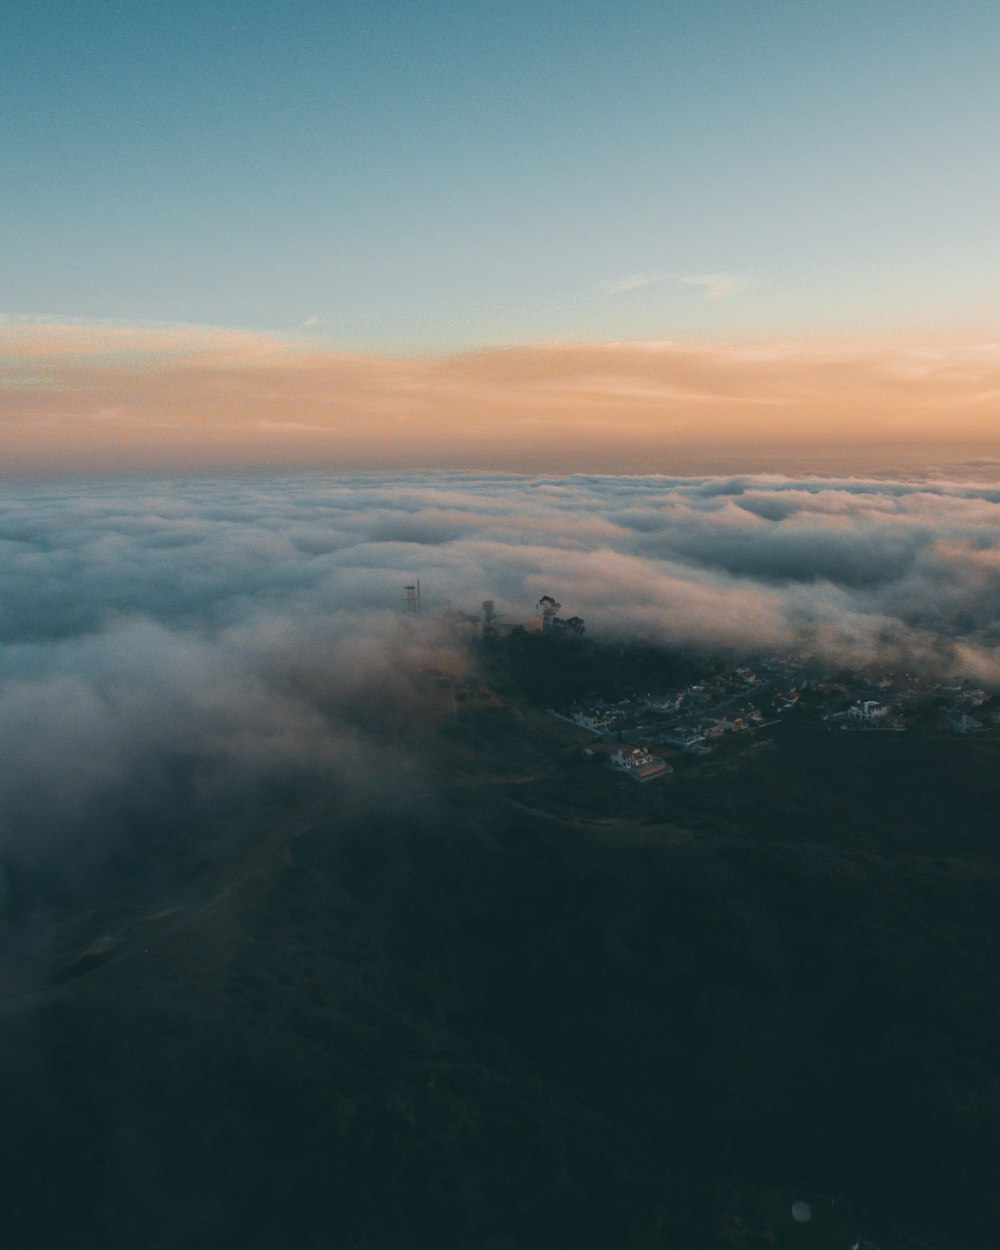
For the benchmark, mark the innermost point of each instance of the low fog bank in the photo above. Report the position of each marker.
(174, 647)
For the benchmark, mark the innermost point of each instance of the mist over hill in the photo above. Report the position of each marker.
(228, 631)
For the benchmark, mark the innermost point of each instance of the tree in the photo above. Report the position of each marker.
(549, 608)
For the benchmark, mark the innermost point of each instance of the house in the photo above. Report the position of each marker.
(668, 702)
(975, 698)
(868, 711)
(638, 763)
(596, 720)
(635, 761)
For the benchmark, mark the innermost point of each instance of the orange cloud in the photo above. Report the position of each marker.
(97, 398)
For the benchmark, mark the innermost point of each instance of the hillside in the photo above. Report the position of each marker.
(517, 1001)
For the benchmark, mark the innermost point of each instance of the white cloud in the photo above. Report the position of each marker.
(311, 321)
(166, 641)
(712, 285)
(632, 282)
(716, 285)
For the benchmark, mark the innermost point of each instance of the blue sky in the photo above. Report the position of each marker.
(425, 177)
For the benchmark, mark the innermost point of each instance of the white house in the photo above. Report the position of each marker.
(638, 763)
(596, 722)
(869, 710)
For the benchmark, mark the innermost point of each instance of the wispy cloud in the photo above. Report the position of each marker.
(716, 285)
(632, 282)
(711, 285)
(311, 322)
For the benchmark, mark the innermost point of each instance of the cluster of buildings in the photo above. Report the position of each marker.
(740, 700)
(886, 701)
(906, 701)
(969, 710)
(689, 719)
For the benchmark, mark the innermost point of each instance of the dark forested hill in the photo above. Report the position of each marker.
(513, 1002)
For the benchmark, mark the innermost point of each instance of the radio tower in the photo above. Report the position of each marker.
(413, 598)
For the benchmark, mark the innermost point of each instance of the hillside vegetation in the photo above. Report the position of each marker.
(519, 1002)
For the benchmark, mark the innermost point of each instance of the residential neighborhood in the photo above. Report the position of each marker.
(741, 702)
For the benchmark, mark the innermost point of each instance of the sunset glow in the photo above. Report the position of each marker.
(86, 398)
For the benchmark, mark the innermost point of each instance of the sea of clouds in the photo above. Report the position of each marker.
(165, 643)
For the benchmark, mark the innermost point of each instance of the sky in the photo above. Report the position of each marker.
(386, 183)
